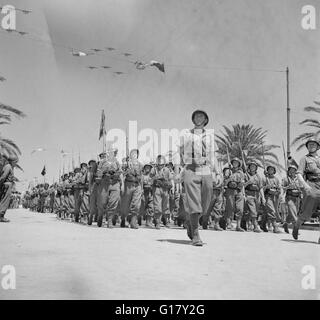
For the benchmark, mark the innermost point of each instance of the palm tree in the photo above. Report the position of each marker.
(310, 122)
(7, 146)
(248, 143)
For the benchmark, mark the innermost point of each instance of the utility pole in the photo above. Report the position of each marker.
(288, 115)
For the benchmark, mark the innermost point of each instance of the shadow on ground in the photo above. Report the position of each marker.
(187, 242)
(299, 241)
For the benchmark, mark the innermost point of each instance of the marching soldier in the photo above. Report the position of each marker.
(162, 183)
(253, 193)
(272, 193)
(6, 185)
(215, 210)
(235, 195)
(147, 192)
(108, 189)
(308, 175)
(132, 190)
(196, 153)
(92, 188)
(84, 191)
(76, 191)
(293, 194)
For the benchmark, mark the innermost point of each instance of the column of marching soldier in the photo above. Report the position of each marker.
(191, 194)
(132, 193)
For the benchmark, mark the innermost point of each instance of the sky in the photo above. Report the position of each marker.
(220, 56)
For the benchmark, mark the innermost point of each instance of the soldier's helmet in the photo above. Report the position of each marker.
(83, 164)
(313, 140)
(102, 155)
(134, 151)
(292, 166)
(92, 161)
(200, 111)
(147, 165)
(161, 160)
(236, 159)
(76, 170)
(252, 162)
(271, 166)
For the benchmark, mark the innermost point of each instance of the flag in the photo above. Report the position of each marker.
(43, 172)
(102, 125)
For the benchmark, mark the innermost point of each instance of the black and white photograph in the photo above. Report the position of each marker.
(159, 150)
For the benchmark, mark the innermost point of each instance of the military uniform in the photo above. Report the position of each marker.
(196, 152)
(309, 169)
(161, 184)
(292, 199)
(147, 195)
(234, 195)
(272, 190)
(92, 190)
(6, 186)
(108, 189)
(253, 189)
(215, 210)
(131, 198)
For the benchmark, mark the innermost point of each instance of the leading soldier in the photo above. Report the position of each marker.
(197, 154)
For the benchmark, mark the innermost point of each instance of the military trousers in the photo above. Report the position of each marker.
(198, 185)
(252, 204)
(293, 205)
(108, 197)
(93, 205)
(271, 212)
(131, 199)
(215, 209)
(234, 204)
(160, 201)
(148, 202)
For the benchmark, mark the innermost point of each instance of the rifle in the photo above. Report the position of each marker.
(284, 156)
(228, 158)
(264, 162)
(243, 160)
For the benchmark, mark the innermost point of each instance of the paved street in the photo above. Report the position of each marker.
(63, 260)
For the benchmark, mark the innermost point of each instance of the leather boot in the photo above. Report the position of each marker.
(157, 223)
(148, 221)
(3, 219)
(275, 227)
(204, 222)
(229, 224)
(295, 230)
(238, 228)
(216, 226)
(256, 226)
(285, 227)
(134, 222)
(123, 222)
(194, 220)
